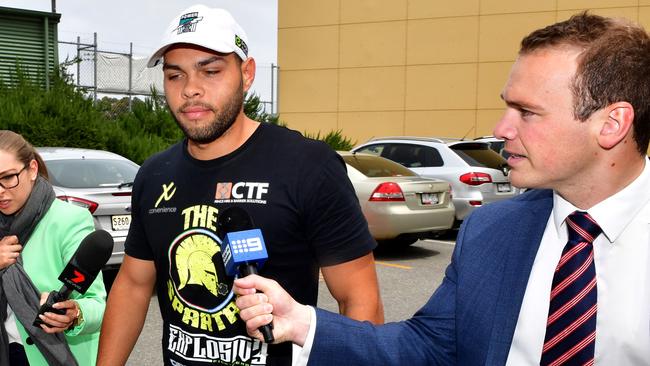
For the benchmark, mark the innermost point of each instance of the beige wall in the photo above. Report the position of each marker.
(409, 67)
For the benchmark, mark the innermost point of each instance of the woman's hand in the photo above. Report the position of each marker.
(55, 323)
(9, 250)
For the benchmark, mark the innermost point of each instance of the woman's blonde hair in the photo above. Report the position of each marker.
(14, 143)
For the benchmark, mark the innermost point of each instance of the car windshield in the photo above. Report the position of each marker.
(91, 173)
(479, 155)
(372, 166)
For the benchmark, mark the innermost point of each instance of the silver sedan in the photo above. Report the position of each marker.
(399, 205)
(99, 181)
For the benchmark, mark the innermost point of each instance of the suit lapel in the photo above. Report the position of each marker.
(524, 238)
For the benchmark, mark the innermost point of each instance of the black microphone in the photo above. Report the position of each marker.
(242, 249)
(80, 272)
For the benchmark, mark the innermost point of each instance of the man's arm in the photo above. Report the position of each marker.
(426, 339)
(354, 286)
(126, 310)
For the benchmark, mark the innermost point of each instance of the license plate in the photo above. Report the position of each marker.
(429, 198)
(504, 187)
(120, 222)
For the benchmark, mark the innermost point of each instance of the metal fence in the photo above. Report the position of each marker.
(123, 75)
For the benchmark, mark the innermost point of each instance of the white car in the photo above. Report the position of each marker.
(99, 181)
(477, 174)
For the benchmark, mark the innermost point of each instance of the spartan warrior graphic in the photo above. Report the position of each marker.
(194, 264)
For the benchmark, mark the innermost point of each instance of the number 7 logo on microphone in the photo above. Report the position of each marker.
(79, 277)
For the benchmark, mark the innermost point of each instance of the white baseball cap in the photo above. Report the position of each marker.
(211, 28)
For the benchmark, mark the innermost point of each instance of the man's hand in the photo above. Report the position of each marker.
(290, 319)
(55, 323)
(9, 250)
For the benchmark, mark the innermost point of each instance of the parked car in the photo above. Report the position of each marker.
(399, 205)
(99, 181)
(477, 174)
(496, 144)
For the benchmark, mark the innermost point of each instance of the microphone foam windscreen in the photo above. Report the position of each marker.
(94, 251)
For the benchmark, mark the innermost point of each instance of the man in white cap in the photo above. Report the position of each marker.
(295, 190)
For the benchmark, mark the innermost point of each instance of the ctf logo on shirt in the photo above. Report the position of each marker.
(241, 192)
(223, 191)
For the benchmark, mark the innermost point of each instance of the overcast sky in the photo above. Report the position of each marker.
(142, 22)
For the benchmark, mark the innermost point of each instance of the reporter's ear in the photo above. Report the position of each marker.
(617, 125)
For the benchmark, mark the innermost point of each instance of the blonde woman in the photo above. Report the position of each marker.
(38, 236)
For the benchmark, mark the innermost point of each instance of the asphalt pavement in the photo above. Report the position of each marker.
(407, 278)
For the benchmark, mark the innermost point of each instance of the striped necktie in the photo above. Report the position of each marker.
(571, 327)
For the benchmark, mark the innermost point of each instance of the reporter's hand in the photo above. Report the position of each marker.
(290, 319)
(9, 250)
(56, 323)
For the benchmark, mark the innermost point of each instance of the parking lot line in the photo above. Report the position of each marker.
(393, 265)
(448, 242)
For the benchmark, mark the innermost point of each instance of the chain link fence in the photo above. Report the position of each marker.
(119, 77)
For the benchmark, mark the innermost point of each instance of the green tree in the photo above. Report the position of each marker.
(334, 139)
(64, 116)
(254, 109)
(60, 116)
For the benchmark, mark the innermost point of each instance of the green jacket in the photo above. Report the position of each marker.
(47, 252)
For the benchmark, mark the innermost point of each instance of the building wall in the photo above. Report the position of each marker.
(28, 40)
(409, 67)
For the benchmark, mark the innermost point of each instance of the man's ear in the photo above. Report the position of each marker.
(248, 73)
(617, 125)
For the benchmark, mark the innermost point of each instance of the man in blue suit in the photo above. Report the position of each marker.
(557, 276)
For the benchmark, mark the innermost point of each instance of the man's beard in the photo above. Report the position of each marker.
(223, 119)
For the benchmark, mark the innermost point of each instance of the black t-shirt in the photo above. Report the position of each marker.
(296, 191)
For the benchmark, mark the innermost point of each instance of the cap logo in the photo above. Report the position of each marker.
(241, 44)
(188, 22)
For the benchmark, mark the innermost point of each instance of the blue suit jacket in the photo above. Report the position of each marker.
(471, 317)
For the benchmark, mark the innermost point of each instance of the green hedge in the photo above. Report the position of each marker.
(64, 116)
(58, 117)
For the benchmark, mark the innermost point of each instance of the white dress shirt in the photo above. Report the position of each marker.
(300, 355)
(622, 259)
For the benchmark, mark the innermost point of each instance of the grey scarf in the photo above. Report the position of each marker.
(19, 291)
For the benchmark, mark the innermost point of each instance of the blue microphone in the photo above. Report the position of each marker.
(243, 252)
(242, 249)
